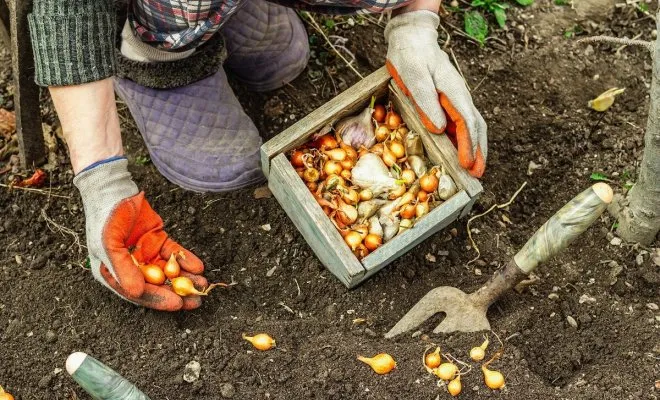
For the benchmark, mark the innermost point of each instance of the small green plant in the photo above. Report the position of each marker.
(571, 32)
(142, 160)
(598, 177)
(476, 25)
(563, 2)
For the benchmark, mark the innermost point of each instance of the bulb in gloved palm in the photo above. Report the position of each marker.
(121, 226)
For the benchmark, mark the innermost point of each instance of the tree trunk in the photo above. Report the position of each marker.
(639, 220)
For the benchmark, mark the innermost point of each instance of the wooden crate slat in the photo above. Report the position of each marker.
(344, 104)
(311, 221)
(438, 147)
(433, 222)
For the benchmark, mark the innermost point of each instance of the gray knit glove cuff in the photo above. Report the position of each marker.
(101, 189)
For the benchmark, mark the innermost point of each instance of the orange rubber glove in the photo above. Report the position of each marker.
(425, 74)
(119, 221)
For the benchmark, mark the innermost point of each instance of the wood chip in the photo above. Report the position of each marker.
(262, 193)
(7, 123)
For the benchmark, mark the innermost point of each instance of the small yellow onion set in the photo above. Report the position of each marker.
(382, 363)
(171, 271)
(371, 178)
(449, 372)
(4, 395)
(260, 341)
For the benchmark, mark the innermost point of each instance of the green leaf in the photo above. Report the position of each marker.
(142, 160)
(478, 3)
(596, 176)
(563, 2)
(525, 2)
(643, 7)
(476, 26)
(500, 16)
(329, 23)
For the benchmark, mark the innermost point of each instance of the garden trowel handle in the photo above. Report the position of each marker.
(563, 227)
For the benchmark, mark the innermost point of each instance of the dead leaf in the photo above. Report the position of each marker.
(7, 123)
(506, 219)
(262, 193)
(605, 100)
(522, 285)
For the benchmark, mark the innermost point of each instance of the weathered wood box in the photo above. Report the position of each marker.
(309, 218)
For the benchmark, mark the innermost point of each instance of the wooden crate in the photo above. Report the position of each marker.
(309, 218)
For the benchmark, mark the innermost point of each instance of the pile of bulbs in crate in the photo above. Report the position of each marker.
(371, 177)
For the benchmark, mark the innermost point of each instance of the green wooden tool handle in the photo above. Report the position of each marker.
(563, 227)
(101, 381)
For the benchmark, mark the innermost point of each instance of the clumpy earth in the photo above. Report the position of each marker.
(588, 328)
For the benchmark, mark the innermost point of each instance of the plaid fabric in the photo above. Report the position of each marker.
(179, 25)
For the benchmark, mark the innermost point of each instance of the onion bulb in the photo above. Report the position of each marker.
(362, 230)
(368, 208)
(346, 213)
(333, 181)
(312, 186)
(172, 268)
(372, 242)
(261, 341)
(421, 209)
(433, 359)
(375, 227)
(493, 379)
(332, 168)
(397, 192)
(446, 371)
(353, 240)
(408, 211)
(4, 395)
(311, 175)
(347, 164)
(366, 195)
(405, 224)
(297, 159)
(388, 156)
(428, 183)
(183, 286)
(361, 251)
(351, 153)
(326, 142)
(382, 133)
(357, 131)
(422, 196)
(454, 387)
(393, 120)
(336, 154)
(346, 174)
(382, 363)
(153, 274)
(408, 176)
(379, 113)
(479, 352)
(350, 196)
(397, 149)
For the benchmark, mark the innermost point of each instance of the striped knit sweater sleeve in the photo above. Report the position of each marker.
(72, 40)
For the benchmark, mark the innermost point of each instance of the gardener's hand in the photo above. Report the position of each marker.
(120, 221)
(425, 74)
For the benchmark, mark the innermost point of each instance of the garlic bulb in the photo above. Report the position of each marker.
(374, 226)
(370, 172)
(418, 165)
(357, 131)
(366, 209)
(446, 186)
(414, 146)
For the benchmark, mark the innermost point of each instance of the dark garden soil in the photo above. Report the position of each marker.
(532, 84)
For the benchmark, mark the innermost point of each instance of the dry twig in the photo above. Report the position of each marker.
(33, 190)
(499, 207)
(623, 41)
(318, 28)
